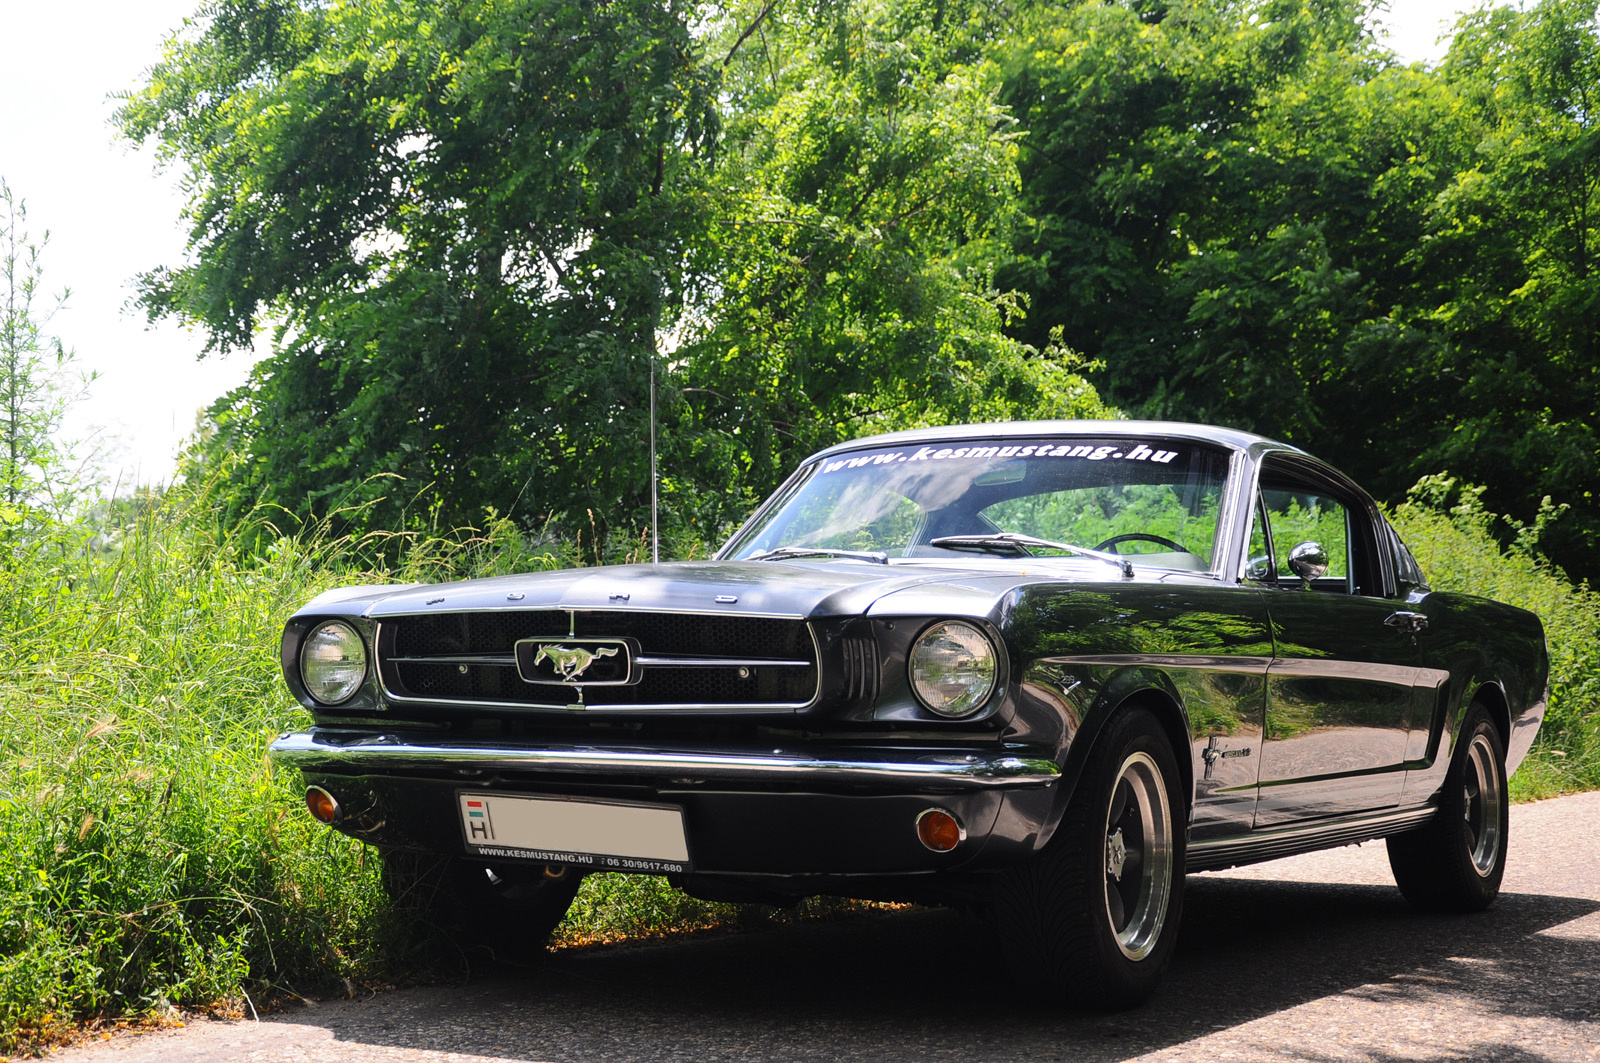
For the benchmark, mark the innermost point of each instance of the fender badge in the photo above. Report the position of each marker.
(620, 597)
(435, 601)
(727, 599)
(515, 596)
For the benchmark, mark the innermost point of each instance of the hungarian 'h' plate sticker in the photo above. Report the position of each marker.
(593, 835)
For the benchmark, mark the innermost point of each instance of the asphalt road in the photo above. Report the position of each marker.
(1313, 958)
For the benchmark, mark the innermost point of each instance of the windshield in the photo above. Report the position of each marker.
(1152, 501)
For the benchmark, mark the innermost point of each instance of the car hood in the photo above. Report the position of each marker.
(753, 588)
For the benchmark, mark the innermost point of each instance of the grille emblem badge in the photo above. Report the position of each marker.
(571, 661)
(578, 661)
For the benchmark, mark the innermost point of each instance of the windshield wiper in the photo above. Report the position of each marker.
(877, 557)
(988, 542)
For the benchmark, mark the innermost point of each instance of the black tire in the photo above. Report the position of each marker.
(1455, 862)
(1091, 921)
(507, 910)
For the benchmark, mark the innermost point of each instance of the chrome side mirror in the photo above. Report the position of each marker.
(1309, 561)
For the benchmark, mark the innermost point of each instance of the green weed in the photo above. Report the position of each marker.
(152, 857)
(1448, 530)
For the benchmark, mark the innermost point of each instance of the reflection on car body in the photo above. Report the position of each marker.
(1043, 668)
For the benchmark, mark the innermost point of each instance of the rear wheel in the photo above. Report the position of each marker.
(508, 910)
(1091, 921)
(1456, 861)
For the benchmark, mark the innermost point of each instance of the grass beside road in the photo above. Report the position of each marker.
(152, 857)
(1454, 546)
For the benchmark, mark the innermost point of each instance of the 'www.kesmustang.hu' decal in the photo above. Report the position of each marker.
(1095, 452)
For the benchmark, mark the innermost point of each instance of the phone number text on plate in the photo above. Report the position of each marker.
(588, 860)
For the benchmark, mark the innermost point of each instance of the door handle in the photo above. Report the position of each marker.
(1407, 621)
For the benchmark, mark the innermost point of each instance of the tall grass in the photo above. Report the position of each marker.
(1449, 531)
(153, 858)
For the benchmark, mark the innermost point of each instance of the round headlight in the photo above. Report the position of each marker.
(333, 662)
(952, 668)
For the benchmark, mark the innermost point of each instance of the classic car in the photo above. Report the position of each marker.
(1043, 669)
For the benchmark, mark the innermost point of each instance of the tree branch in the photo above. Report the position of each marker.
(762, 17)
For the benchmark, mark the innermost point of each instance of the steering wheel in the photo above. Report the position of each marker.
(1143, 537)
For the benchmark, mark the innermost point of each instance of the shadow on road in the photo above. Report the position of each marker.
(923, 985)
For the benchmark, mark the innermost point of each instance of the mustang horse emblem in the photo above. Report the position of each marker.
(570, 662)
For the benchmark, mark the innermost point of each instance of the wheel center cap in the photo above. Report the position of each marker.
(1116, 854)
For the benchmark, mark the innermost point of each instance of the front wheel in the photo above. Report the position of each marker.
(1455, 862)
(1092, 919)
(508, 910)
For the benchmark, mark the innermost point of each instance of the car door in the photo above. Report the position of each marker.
(1342, 688)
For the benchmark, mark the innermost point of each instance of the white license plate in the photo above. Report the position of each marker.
(595, 835)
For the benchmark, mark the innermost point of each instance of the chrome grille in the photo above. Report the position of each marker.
(687, 661)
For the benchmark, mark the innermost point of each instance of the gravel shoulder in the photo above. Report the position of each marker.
(1313, 958)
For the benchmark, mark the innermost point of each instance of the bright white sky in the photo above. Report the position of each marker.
(111, 216)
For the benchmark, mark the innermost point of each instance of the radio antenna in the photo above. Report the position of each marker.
(655, 477)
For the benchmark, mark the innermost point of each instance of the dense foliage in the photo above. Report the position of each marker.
(150, 856)
(463, 222)
(153, 858)
(478, 228)
(1251, 214)
(475, 229)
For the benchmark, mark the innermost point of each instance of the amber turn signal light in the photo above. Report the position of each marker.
(323, 805)
(939, 830)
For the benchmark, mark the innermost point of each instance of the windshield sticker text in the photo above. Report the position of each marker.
(1103, 452)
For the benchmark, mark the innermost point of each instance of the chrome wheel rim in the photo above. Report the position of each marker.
(1138, 856)
(1482, 796)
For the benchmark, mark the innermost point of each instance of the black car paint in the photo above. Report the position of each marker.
(1230, 667)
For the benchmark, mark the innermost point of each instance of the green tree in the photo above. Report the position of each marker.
(462, 223)
(1517, 233)
(866, 188)
(473, 228)
(1223, 197)
(1251, 213)
(37, 383)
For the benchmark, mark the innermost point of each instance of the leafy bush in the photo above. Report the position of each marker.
(1448, 529)
(153, 858)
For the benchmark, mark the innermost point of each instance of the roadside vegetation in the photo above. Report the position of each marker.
(476, 255)
(152, 857)
(1453, 536)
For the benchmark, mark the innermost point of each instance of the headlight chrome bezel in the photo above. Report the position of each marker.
(357, 661)
(983, 666)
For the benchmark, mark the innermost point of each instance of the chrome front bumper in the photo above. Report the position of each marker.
(886, 770)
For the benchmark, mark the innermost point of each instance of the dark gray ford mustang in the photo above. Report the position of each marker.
(1043, 668)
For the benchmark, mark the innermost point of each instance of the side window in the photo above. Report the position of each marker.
(1297, 516)
(1304, 503)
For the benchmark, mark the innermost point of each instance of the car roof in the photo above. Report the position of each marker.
(1231, 438)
